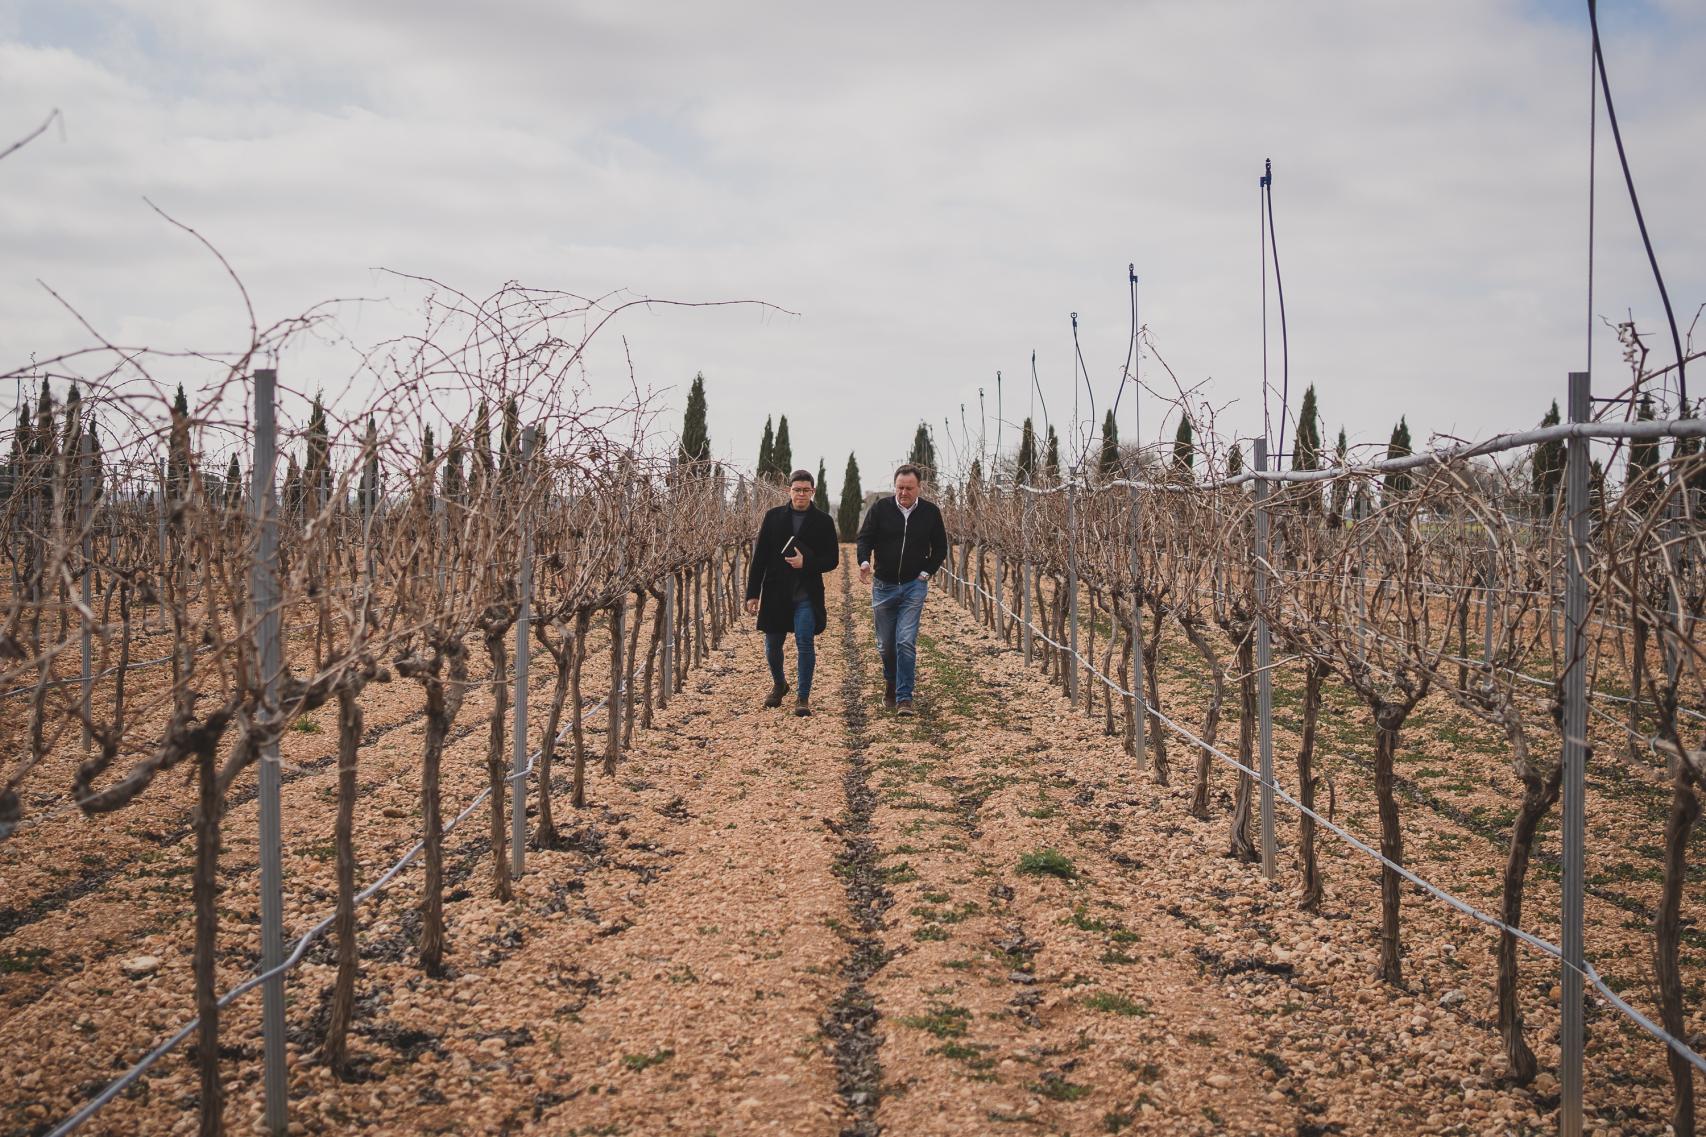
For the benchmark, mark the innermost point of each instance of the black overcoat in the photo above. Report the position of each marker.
(770, 580)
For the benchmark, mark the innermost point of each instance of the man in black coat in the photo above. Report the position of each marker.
(902, 541)
(796, 545)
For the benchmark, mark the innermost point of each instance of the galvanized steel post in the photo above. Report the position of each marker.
(1264, 664)
(523, 626)
(1071, 589)
(1576, 499)
(265, 612)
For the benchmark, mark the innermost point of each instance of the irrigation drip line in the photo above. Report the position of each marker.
(1587, 971)
(129, 1077)
(1635, 203)
(113, 670)
(1639, 430)
(1533, 680)
(543, 618)
(1279, 289)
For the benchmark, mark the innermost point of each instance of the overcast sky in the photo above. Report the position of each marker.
(933, 188)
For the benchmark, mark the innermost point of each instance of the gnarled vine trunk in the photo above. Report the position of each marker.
(577, 793)
(1196, 633)
(1310, 900)
(1540, 793)
(497, 649)
(343, 986)
(1239, 845)
(1667, 930)
(1389, 718)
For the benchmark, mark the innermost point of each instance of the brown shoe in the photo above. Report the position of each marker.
(888, 695)
(904, 707)
(774, 699)
(802, 708)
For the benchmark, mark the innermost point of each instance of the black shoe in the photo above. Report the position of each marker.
(803, 709)
(888, 695)
(774, 699)
(904, 707)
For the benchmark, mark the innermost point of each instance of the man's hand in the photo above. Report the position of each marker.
(752, 607)
(796, 559)
(865, 573)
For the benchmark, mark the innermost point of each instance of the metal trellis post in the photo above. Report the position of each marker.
(523, 626)
(1575, 760)
(1071, 591)
(1264, 664)
(1139, 701)
(1490, 579)
(265, 599)
(86, 499)
(1026, 577)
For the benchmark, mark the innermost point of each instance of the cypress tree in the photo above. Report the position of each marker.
(1341, 485)
(480, 470)
(767, 450)
(1025, 466)
(852, 501)
(14, 467)
(1641, 475)
(1184, 448)
(1051, 458)
(1235, 461)
(453, 484)
(96, 465)
(177, 449)
(1683, 454)
(821, 498)
(923, 452)
(782, 458)
(1109, 466)
(233, 483)
(1306, 449)
(367, 497)
(317, 470)
(23, 440)
(1398, 481)
(73, 430)
(695, 439)
(510, 447)
(292, 486)
(44, 437)
(1548, 465)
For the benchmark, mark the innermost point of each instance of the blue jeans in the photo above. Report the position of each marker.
(897, 609)
(805, 626)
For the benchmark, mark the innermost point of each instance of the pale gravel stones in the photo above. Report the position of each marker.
(671, 971)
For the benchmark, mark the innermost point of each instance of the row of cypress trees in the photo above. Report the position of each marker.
(775, 460)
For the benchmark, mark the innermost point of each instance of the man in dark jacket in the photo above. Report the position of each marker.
(901, 542)
(796, 545)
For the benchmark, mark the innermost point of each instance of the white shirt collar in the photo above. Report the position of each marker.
(906, 510)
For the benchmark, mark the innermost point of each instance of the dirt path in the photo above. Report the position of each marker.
(980, 920)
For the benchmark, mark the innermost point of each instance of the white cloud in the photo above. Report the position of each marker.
(933, 188)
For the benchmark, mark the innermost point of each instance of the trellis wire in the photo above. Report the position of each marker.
(129, 1077)
(1586, 971)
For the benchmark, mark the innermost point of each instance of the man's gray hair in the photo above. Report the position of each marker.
(909, 468)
